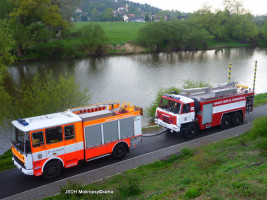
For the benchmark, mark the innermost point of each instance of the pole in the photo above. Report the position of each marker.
(230, 71)
(255, 72)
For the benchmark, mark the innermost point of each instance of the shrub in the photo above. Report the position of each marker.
(152, 108)
(188, 84)
(93, 38)
(173, 35)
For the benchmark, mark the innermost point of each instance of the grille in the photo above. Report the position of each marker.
(18, 161)
(166, 119)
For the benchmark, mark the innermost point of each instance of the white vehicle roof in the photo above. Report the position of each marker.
(184, 99)
(45, 121)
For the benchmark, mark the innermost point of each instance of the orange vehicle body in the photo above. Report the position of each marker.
(82, 133)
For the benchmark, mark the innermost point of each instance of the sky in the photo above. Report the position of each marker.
(256, 7)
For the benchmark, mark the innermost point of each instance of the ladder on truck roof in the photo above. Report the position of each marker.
(110, 105)
(207, 93)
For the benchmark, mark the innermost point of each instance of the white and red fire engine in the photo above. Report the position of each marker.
(203, 108)
(43, 145)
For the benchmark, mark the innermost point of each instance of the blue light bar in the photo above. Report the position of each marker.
(172, 96)
(23, 122)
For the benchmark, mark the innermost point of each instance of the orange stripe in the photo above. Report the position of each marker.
(18, 154)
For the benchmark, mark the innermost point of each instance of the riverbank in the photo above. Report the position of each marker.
(121, 37)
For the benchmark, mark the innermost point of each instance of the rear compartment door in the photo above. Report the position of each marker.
(207, 113)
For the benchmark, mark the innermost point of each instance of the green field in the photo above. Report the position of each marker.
(117, 32)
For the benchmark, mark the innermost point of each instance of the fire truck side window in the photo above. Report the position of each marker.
(69, 132)
(37, 139)
(186, 108)
(53, 135)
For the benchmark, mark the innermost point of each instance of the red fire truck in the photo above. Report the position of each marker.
(42, 145)
(202, 108)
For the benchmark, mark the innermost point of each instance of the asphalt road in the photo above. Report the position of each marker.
(13, 181)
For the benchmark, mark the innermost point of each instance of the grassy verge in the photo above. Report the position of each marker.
(118, 33)
(234, 168)
(6, 161)
(260, 99)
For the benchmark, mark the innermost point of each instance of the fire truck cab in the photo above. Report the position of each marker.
(202, 108)
(43, 145)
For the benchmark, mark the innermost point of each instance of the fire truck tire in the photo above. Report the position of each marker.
(119, 151)
(52, 169)
(190, 131)
(236, 118)
(225, 122)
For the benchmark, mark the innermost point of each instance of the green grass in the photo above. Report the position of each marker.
(6, 161)
(234, 168)
(260, 99)
(117, 32)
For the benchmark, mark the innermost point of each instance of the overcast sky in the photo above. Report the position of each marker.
(256, 7)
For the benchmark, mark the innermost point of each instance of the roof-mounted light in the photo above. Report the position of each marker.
(23, 122)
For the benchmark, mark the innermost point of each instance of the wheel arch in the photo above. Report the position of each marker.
(52, 159)
(123, 142)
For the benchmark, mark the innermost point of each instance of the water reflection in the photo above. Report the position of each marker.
(137, 78)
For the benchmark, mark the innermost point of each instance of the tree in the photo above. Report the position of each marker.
(264, 31)
(31, 16)
(48, 94)
(6, 58)
(147, 18)
(234, 7)
(6, 45)
(108, 14)
(93, 39)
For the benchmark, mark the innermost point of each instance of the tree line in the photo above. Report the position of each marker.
(234, 23)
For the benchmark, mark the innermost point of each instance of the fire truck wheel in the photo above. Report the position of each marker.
(190, 131)
(119, 151)
(225, 122)
(52, 170)
(236, 118)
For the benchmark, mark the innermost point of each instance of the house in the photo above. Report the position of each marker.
(125, 18)
(78, 10)
(181, 17)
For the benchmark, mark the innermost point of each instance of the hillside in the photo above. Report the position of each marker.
(112, 10)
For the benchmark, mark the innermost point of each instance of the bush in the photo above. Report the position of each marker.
(188, 84)
(93, 38)
(173, 36)
(152, 108)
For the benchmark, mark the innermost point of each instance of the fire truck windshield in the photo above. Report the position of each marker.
(169, 105)
(20, 140)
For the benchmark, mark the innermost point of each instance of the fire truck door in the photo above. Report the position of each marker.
(207, 113)
(70, 143)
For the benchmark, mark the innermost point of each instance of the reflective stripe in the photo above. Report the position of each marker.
(230, 106)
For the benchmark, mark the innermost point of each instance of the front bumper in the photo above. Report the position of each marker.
(23, 170)
(168, 126)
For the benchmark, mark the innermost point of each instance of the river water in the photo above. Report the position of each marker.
(137, 78)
